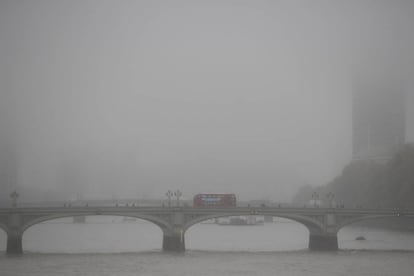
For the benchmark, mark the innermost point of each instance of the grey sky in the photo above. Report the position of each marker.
(137, 97)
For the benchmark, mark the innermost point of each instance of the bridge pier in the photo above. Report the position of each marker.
(174, 242)
(323, 242)
(14, 244)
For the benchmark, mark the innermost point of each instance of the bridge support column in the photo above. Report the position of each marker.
(14, 244)
(174, 242)
(323, 242)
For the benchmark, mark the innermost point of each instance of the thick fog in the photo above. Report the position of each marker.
(128, 99)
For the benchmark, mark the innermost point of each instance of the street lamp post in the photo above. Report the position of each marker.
(315, 199)
(178, 194)
(169, 194)
(330, 197)
(14, 197)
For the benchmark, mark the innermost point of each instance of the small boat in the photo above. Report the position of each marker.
(360, 238)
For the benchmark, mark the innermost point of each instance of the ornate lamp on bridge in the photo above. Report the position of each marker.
(178, 194)
(330, 196)
(14, 197)
(169, 194)
(315, 199)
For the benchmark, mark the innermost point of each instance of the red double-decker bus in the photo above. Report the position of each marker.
(214, 200)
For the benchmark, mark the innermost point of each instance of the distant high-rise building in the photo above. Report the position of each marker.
(8, 173)
(378, 119)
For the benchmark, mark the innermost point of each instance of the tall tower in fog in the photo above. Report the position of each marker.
(8, 160)
(378, 118)
(8, 171)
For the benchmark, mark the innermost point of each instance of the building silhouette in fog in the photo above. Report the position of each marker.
(8, 173)
(378, 118)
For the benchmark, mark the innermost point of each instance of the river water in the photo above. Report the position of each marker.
(111, 246)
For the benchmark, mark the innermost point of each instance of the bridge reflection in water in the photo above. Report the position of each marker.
(323, 223)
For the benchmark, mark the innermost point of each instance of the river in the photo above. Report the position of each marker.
(111, 246)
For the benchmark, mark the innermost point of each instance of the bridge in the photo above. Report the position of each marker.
(323, 223)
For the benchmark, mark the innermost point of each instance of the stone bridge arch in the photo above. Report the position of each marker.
(348, 221)
(23, 222)
(312, 224)
(320, 236)
(4, 228)
(4, 223)
(29, 222)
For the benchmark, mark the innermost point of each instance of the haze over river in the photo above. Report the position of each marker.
(111, 246)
